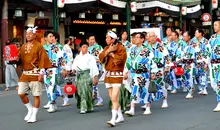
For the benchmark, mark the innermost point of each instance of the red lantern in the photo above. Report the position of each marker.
(179, 71)
(69, 89)
(11, 52)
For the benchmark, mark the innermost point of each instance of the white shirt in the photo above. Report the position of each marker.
(85, 62)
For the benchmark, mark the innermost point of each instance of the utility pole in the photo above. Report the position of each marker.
(128, 16)
(181, 19)
(55, 16)
(4, 34)
(211, 26)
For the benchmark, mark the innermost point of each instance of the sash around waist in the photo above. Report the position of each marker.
(140, 71)
(215, 61)
(114, 74)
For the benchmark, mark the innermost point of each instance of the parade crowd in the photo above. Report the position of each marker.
(142, 70)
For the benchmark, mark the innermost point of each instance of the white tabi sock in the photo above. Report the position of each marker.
(30, 110)
(120, 116)
(34, 116)
(114, 115)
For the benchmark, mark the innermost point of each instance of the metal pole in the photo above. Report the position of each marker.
(181, 18)
(55, 16)
(211, 26)
(4, 34)
(128, 16)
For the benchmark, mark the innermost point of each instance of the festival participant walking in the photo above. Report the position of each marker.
(95, 49)
(34, 61)
(214, 41)
(113, 57)
(87, 72)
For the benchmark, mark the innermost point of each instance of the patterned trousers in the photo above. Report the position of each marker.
(50, 81)
(189, 72)
(215, 79)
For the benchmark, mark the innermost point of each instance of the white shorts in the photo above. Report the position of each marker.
(108, 85)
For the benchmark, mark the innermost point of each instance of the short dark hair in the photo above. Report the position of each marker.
(83, 43)
(122, 31)
(141, 35)
(88, 35)
(170, 28)
(200, 31)
(176, 33)
(47, 33)
(67, 40)
(189, 34)
(57, 36)
(133, 34)
(179, 28)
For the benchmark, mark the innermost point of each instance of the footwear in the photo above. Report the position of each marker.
(164, 105)
(30, 111)
(52, 108)
(120, 117)
(33, 118)
(65, 102)
(200, 92)
(205, 92)
(119, 120)
(6, 89)
(184, 89)
(143, 107)
(189, 96)
(111, 123)
(47, 105)
(217, 109)
(173, 92)
(130, 113)
(147, 111)
(99, 104)
(169, 88)
(82, 112)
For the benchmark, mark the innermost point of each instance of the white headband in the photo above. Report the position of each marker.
(33, 30)
(112, 35)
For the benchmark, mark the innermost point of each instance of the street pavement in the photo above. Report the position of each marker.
(182, 114)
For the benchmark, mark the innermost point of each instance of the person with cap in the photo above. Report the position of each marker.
(113, 57)
(60, 65)
(34, 60)
(86, 70)
(95, 49)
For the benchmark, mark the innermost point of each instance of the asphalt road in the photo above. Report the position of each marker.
(182, 114)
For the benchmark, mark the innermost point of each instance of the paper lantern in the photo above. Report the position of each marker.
(179, 71)
(11, 52)
(69, 89)
(115, 16)
(146, 18)
(82, 15)
(133, 7)
(184, 10)
(99, 16)
(60, 3)
(214, 4)
(62, 15)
